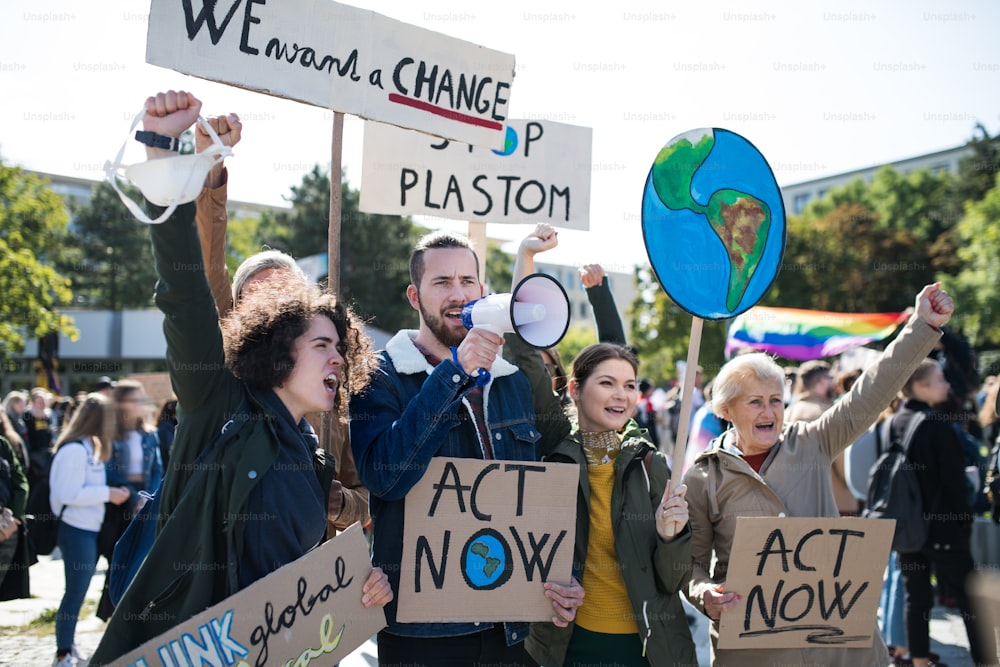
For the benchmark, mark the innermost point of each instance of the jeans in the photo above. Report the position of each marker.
(892, 602)
(79, 552)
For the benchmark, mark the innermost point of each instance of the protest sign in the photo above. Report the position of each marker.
(339, 57)
(308, 610)
(983, 587)
(805, 582)
(541, 175)
(481, 537)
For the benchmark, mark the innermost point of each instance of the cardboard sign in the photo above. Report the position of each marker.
(309, 610)
(805, 582)
(339, 57)
(481, 537)
(541, 175)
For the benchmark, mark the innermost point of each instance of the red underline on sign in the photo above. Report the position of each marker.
(444, 113)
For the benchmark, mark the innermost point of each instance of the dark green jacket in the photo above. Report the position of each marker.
(192, 564)
(654, 571)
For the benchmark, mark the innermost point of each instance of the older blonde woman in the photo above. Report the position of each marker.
(765, 467)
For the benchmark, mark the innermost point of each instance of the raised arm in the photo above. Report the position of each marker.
(211, 214)
(602, 300)
(878, 385)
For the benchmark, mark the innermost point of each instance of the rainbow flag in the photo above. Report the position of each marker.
(802, 335)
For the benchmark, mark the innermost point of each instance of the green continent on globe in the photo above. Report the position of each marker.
(741, 222)
(483, 551)
(673, 169)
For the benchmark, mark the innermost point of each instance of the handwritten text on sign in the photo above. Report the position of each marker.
(541, 175)
(481, 537)
(309, 610)
(339, 57)
(805, 582)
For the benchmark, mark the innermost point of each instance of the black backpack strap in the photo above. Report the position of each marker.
(911, 429)
(883, 435)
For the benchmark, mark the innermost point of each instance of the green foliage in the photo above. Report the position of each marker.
(374, 249)
(577, 337)
(976, 288)
(108, 254)
(499, 269)
(33, 221)
(661, 331)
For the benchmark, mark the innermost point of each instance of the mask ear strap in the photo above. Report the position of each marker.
(111, 173)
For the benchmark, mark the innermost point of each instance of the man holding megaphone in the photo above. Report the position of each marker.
(425, 401)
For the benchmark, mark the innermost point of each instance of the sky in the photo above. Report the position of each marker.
(819, 87)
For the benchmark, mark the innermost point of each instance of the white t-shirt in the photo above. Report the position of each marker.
(134, 441)
(78, 481)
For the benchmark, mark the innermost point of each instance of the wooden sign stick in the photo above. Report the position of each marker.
(477, 236)
(333, 250)
(680, 445)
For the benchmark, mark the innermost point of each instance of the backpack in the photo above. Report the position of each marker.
(992, 490)
(42, 523)
(894, 490)
(134, 544)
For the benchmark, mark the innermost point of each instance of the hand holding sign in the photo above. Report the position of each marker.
(672, 512)
(376, 591)
(565, 601)
(717, 600)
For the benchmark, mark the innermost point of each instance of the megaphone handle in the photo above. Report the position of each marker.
(481, 375)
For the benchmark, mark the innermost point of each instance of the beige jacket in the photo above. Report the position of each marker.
(795, 481)
(212, 223)
(809, 409)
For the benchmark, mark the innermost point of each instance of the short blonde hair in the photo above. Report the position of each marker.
(728, 384)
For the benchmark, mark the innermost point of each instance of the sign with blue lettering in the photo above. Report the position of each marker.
(342, 58)
(309, 611)
(481, 537)
(805, 582)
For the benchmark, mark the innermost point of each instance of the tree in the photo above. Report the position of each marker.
(847, 261)
(374, 249)
(661, 331)
(33, 220)
(108, 254)
(976, 288)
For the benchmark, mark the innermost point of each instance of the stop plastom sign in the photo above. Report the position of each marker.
(542, 174)
(342, 58)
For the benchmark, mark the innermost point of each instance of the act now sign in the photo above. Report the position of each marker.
(481, 537)
(339, 57)
(542, 174)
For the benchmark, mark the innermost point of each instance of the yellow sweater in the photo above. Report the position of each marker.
(605, 605)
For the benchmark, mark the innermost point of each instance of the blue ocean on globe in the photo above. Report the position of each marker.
(690, 259)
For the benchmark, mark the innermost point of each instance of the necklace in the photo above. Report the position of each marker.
(600, 447)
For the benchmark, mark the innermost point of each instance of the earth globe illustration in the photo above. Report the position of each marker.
(713, 222)
(486, 560)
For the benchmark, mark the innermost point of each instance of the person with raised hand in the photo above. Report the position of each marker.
(766, 466)
(287, 351)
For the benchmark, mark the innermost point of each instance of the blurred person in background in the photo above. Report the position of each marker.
(78, 494)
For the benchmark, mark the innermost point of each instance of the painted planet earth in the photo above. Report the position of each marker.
(486, 561)
(713, 222)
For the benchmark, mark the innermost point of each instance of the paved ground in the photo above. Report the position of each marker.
(22, 645)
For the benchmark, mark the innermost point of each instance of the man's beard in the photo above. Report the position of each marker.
(439, 327)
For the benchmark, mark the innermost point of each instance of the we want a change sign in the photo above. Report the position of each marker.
(481, 537)
(308, 612)
(339, 57)
(805, 582)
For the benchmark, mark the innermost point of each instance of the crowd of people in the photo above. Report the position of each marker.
(276, 353)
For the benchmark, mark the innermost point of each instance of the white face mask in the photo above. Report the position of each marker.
(166, 181)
